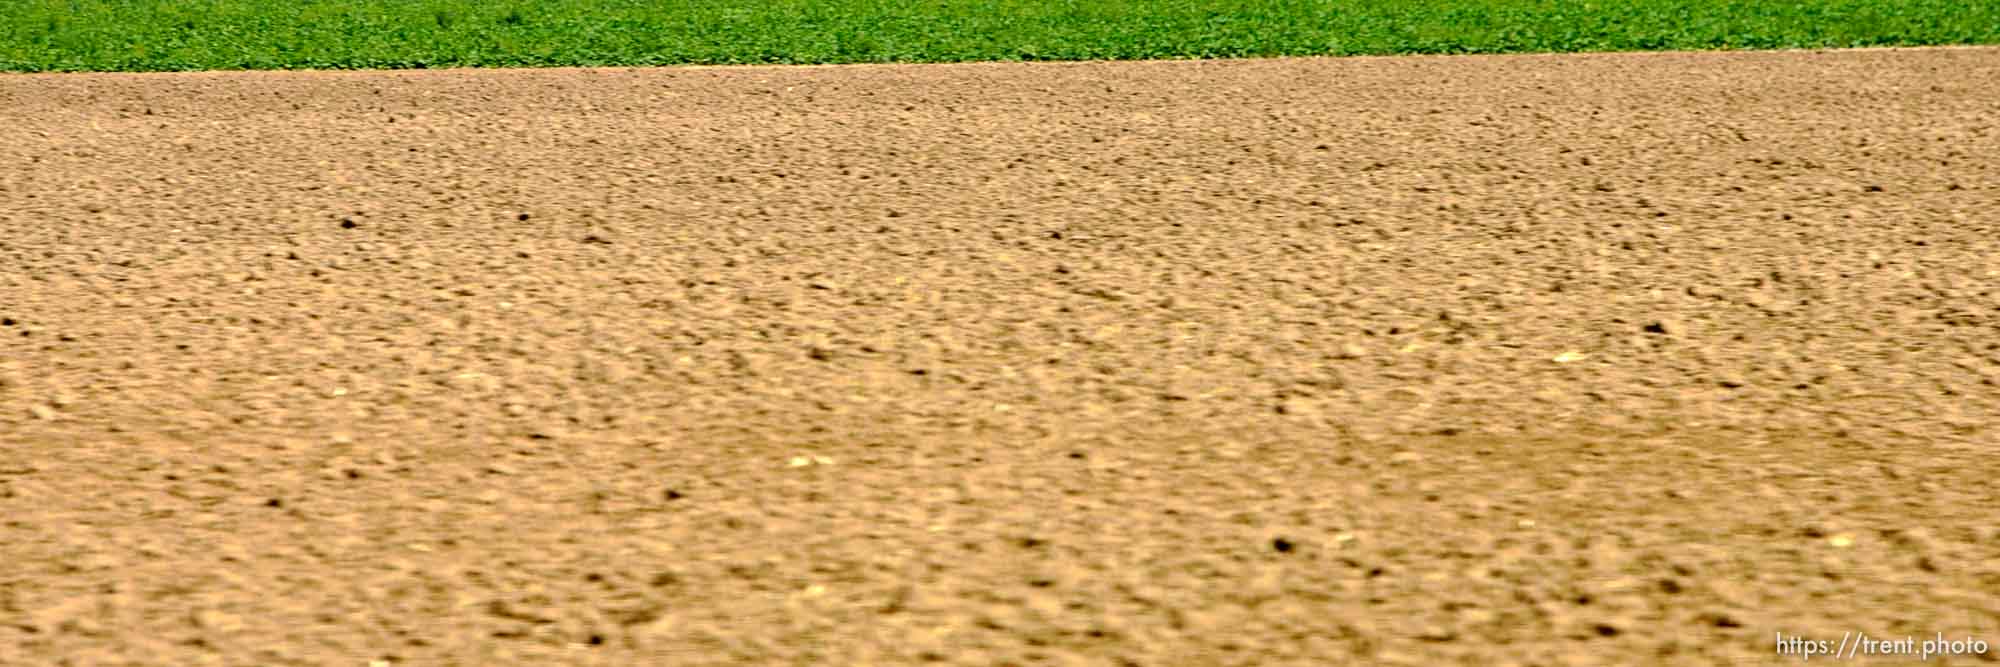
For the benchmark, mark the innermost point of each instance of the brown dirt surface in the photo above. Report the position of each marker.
(1614, 359)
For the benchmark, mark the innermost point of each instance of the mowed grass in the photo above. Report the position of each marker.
(168, 35)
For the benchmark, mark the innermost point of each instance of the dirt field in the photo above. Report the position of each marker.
(1623, 359)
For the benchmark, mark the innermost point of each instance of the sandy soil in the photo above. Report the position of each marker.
(1625, 359)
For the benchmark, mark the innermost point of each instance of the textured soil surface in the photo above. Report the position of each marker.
(1622, 359)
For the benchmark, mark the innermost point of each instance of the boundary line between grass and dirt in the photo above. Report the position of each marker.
(1220, 62)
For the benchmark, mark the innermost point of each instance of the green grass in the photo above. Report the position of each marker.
(167, 35)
